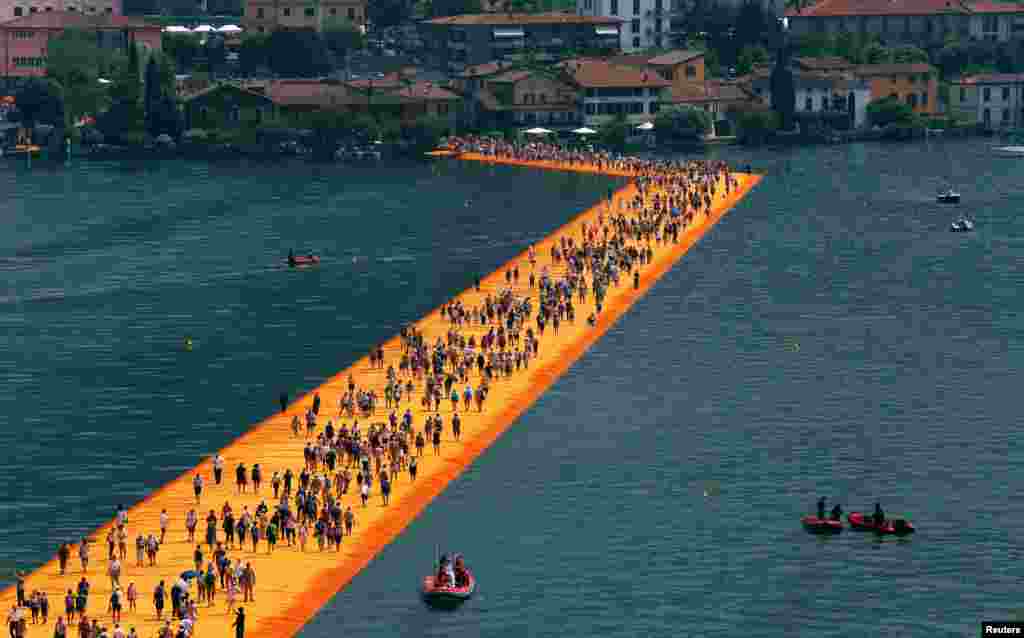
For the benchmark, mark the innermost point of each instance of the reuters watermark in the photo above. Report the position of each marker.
(1002, 628)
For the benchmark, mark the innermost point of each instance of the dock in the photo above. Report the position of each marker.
(291, 585)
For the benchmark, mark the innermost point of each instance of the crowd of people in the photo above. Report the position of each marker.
(451, 375)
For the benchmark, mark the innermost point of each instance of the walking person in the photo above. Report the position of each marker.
(239, 623)
(218, 468)
(197, 486)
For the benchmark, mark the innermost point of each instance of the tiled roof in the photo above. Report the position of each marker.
(512, 19)
(825, 63)
(992, 78)
(511, 76)
(389, 81)
(836, 8)
(870, 70)
(590, 73)
(224, 85)
(673, 58)
(426, 91)
(74, 19)
(710, 91)
(480, 70)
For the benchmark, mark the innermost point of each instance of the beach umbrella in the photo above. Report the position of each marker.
(584, 131)
(104, 81)
(538, 131)
(203, 28)
(646, 126)
(177, 29)
(230, 28)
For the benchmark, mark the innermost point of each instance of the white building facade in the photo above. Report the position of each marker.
(646, 22)
(822, 94)
(995, 100)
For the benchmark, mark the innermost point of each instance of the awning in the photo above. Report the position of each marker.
(509, 33)
(607, 31)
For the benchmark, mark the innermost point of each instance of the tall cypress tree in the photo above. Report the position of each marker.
(152, 95)
(783, 87)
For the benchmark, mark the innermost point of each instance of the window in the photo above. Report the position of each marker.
(636, 7)
(588, 4)
(824, 102)
(33, 10)
(691, 71)
(1006, 115)
(924, 98)
(654, 107)
(986, 94)
(657, 25)
(658, 5)
(17, 12)
(1006, 93)
(333, 11)
(287, 12)
(543, 98)
(590, 109)
(808, 104)
(987, 113)
(912, 100)
(634, 27)
(309, 12)
(234, 114)
(636, 43)
(261, 30)
(989, 24)
(442, 109)
(615, 7)
(259, 12)
(963, 94)
(351, 13)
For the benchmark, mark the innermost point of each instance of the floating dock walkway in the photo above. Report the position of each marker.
(292, 586)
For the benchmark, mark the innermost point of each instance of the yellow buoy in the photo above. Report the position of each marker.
(188, 343)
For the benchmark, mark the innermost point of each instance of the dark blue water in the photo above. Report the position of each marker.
(828, 338)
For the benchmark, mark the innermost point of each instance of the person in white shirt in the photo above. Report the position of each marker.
(218, 468)
(164, 520)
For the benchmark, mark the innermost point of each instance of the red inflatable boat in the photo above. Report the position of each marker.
(865, 522)
(816, 525)
(448, 596)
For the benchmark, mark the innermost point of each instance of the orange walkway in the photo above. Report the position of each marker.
(291, 586)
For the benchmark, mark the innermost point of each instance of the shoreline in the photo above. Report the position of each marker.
(304, 582)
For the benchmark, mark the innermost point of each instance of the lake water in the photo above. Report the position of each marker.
(829, 338)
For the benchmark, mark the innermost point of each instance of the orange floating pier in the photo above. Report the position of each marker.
(291, 585)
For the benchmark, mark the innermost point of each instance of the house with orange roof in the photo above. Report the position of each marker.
(24, 41)
(456, 42)
(11, 9)
(919, 22)
(527, 98)
(722, 99)
(995, 100)
(684, 68)
(609, 91)
(835, 95)
(267, 16)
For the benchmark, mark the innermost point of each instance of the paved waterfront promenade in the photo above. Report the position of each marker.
(291, 586)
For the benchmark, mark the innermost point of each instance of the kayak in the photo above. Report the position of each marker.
(303, 260)
(447, 596)
(816, 525)
(897, 526)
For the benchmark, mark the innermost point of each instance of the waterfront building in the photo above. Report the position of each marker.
(820, 95)
(457, 42)
(918, 22)
(266, 16)
(225, 106)
(993, 99)
(23, 41)
(609, 91)
(724, 100)
(917, 85)
(11, 9)
(527, 98)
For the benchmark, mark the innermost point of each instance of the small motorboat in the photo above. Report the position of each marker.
(864, 522)
(816, 525)
(948, 196)
(962, 225)
(302, 260)
(448, 596)
(1009, 151)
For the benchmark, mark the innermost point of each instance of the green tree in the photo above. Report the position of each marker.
(889, 110)
(298, 54)
(425, 133)
(682, 123)
(126, 115)
(875, 53)
(216, 55)
(41, 101)
(813, 45)
(387, 13)
(161, 109)
(342, 37)
(751, 56)
(755, 127)
(183, 48)
(254, 53)
(77, 64)
(909, 54)
(783, 89)
(614, 134)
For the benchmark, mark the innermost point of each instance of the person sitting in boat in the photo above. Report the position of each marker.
(879, 515)
(821, 507)
(461, 575)
(449, 570)
(837, 513)
(442, 579)
(291, 257)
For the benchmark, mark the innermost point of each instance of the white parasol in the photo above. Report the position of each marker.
(203, 28)
(585, 131)
(537, 131)
(646, 126)
(230, 28)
